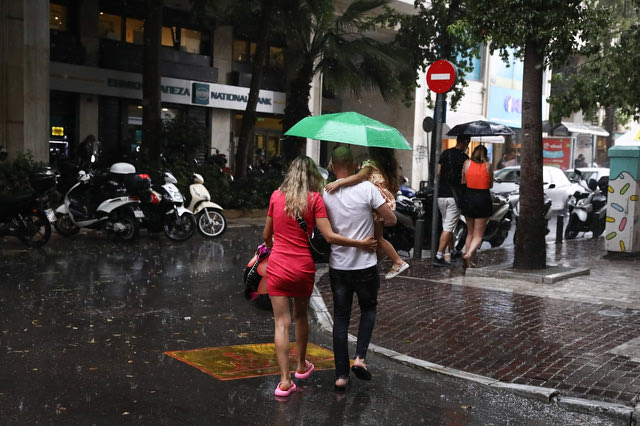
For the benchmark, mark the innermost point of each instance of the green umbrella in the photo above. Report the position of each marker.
(349, 127)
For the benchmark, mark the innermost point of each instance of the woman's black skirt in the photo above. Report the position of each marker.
(477, 203)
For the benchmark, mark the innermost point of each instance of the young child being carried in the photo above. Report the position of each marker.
(381, 170)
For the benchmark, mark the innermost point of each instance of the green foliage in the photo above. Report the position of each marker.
(182, 137)
(557, 29)
(434, 33)
(14, 175)
(252, 192)
(324, 39)
(608, 77)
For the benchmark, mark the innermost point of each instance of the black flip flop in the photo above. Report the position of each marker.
(341, 388)
(361, 372)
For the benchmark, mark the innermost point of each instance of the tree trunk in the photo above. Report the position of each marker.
(530, 249)
(151, 102)
(257, 72)
(610, 124)
(296, 109)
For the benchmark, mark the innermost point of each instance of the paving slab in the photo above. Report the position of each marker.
(571, 330)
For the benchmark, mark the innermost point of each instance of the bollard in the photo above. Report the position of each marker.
(417, 239)
(559, 229)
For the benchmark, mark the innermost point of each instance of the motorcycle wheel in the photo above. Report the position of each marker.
(211, 223)
(573, 228)
(35, 229)
(460, 236)
(499, 238)
(132, 225)
(65, 226)
(179, 228)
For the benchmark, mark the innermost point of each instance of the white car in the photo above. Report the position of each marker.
(555, 183)
(586, 173)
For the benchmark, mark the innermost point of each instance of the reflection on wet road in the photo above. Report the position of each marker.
(85, 322)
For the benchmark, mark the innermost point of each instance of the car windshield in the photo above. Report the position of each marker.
(507, 175)
(586, 175)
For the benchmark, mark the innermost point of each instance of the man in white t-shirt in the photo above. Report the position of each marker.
(353, 270)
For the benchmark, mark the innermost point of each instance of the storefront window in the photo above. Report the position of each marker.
(240, 51)
(190, 41)
(135, 31)
(276, 57)
(109, 26)
(169, 36)
(57, 17)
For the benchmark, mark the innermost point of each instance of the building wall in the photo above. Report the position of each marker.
(24, 82)
(222, 120)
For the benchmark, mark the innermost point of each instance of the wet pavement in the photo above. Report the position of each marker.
(576, 337)
(85, 322)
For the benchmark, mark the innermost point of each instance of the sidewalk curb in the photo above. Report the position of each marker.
(619, 412)
(549, 275)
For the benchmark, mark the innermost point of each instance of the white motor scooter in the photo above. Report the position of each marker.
(209, 218)
(99, 201)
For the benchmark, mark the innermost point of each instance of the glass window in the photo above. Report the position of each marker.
(135, 31)
(476, 64)
(109, 26)
(508, 175)
(57, 17)
(190, 41)
(240, 51)
(169, 36)
(276, 57)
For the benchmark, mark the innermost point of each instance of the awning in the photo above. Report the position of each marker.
(632, 137)
(583, 128)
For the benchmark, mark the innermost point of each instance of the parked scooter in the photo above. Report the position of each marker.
(209, 218)
(100, 201)
(163, 206)
(408, 211)
(587, 209)
(28, 216)
(514, 199)
(498, 225)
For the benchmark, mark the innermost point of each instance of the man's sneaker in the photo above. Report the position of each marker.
(441, 262)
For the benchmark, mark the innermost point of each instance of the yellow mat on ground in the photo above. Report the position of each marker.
(243, 361)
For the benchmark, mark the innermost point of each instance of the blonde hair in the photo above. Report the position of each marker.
(479, 154)
(301, 178)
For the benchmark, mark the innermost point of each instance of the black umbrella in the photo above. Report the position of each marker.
(480, 128)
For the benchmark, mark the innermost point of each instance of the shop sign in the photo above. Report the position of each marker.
(557, 152)
(200, 94)
(97, 81)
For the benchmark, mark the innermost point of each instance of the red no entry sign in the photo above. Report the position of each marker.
(441, 76)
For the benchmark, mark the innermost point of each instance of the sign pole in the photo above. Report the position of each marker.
(441, 77)
(439, 113)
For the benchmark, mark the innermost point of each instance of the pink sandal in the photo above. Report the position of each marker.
(280, 392)
(306, 374)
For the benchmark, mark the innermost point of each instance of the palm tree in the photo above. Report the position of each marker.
(321, 39)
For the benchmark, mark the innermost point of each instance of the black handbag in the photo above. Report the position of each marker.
(319, 247)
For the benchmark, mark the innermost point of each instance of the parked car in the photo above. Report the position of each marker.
(587, 173)
(556, 184)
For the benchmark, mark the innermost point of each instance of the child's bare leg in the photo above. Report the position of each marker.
(385, 245)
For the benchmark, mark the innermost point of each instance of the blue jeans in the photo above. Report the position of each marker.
(365, 283)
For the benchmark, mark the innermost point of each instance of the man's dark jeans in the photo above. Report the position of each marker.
(365, 283)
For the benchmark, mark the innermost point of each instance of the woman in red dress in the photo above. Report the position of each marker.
(291, 270)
